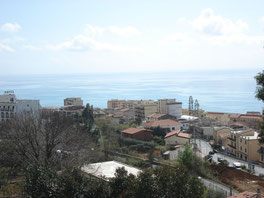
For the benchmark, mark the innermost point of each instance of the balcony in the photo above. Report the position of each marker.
(232, 139)
(232, 146)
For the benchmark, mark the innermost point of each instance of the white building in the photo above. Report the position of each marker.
(10, 106)
(170, 107)
(27, 106)
(7, 105)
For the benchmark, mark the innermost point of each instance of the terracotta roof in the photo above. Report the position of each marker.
(253, 117)
(215, 113)
(156, 115)
(166, 122)
(185, 135)
(246, 194)
(134, 130)
(176, 132)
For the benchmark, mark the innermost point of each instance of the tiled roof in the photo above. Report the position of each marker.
(176, 132)
(156, 115)
(134, 130)
(166, 122)
(215, 113)
(184, 135)
(246, 194)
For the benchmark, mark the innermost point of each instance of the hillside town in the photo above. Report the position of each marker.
(220, 138)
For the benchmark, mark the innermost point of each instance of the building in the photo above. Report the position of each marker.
(71, 110)
(114, 103)
(234, 140)
(170, 106)
(137, 133)
(168, 125)
(7, 105)
(208, 133)
(160, 116)
(172, 155)
(177, 138)
(107, 170)
(11, 106)
(221, 135)
(248, 120)
(248, 147)
(145, 110)
(73, 102)
(221, 119)
(27, 106)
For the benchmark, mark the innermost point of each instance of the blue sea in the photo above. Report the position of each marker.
(222, 91)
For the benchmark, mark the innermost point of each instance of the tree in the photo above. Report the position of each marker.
(260, 95)
(47, 139)
(158, 131)
(88, 116)
(186, 157)
(260, 86)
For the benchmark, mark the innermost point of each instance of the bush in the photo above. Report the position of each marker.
(128, 142)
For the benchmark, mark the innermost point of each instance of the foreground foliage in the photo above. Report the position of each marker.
(158, 183)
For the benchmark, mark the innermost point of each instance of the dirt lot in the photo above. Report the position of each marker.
(240, 180)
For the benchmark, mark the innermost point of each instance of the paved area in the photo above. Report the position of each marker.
(204, 148)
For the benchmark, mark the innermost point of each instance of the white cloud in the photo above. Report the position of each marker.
(124, 31)
(6, 48)
(85, 43)
(10, 27)
(212, 24)
(178, 39)
(31, 47)
(244, 39)
(262, 21)
(93, 31)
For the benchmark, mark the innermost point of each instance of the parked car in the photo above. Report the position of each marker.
(237, 165)
(219, 159)
(211, 152)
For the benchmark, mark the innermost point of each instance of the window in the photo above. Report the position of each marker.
(241, 148)
(245, 157)
(245, 150)
(262, 157)
(7, 115)
(173, 128)
(2, 115)
(240, 140)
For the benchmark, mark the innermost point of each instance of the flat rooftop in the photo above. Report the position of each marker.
(107, 169)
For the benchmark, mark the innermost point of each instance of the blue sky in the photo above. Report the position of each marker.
(82, 36)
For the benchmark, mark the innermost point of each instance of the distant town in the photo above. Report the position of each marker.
(218, 137)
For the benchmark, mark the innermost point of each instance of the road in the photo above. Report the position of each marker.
(204, 148)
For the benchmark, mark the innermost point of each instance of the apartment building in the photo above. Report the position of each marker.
(73, 101)
(10, 106)
(234, 140)
(7, 105)
(170, 107)
(248, 147)
(145, 110)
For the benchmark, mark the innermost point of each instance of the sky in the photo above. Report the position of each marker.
(113, 36)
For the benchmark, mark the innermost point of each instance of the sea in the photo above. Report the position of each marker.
(231, 91)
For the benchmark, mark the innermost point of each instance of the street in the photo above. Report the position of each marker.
(204, 148)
